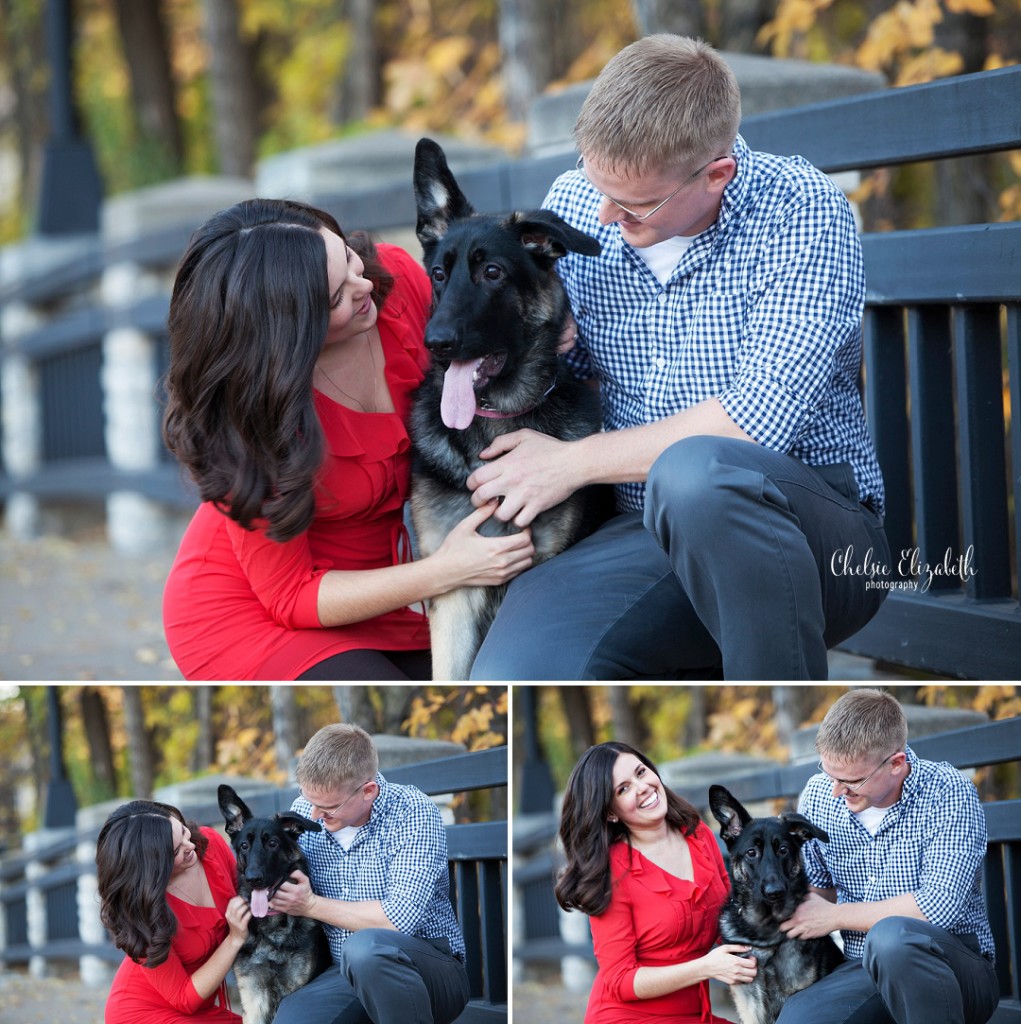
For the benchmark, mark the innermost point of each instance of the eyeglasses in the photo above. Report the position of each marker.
(580, 166)
(857, 784)
(329, 812)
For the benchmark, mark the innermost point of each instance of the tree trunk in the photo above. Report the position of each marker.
(97, 734)
(139, 745)
(355, 706)
(358, 91)
(626, 719)
(285, 728)
(23, 51)
(396, 707)
(526, 43)
(740, 21)
(578, 711)
(685, 18)
(791, 706)
(146, 50)
(205, 745)
(234, 88)
(695, 724)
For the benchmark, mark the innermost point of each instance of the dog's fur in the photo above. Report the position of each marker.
(498, 312)
(282, 952)
(767, 884)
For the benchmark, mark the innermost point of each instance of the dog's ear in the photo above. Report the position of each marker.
(802, 829)
(234, 810)
(294, 824)
(548, 236)
(438, 199)
(728, 811)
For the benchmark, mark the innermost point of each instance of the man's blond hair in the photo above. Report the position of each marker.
(663, 102)
(863, 723)
(335, 755)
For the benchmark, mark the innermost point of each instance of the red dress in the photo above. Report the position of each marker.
(165, 994)
(238, 605)
(655, 919)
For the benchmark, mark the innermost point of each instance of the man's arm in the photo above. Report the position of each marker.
(296, 897)
(819, 915)
(534, 472)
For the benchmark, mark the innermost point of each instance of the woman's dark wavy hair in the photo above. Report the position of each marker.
(134, 859)
(248, 315)
(587, 834)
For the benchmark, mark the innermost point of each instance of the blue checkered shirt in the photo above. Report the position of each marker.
(763, 312)
(399, 857)
(930, 844)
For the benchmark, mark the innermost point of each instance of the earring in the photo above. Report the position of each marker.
(612, 819)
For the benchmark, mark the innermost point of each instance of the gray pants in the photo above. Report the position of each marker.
(738, 563)
(385, 977)
(912, 972)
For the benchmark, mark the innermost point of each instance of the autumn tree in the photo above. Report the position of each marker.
(146, 48)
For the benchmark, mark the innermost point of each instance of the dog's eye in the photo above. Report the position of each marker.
(783, 849)
(752, 854)
(492, 272)
(439, 275)
(243, 846)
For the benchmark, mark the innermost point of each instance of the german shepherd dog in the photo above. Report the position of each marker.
(282, 952)
(498, 312)
(767, 884)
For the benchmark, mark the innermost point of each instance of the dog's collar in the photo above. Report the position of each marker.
(754, 942)
(482, 409)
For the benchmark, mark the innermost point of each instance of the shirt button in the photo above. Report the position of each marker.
(661, 298)
(660, 362)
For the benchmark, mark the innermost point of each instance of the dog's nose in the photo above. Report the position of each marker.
(440, 345)
(772, 891)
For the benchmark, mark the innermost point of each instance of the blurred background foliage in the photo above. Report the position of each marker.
(125, 741)
(172, 87)
(671, 722)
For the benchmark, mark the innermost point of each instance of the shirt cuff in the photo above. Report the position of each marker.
(765, 411)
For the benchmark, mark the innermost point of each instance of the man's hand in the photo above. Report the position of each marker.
(295, 896)
(812, 919)
(530, 471)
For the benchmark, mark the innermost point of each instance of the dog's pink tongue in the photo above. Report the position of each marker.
(457, 404)
(259, 902)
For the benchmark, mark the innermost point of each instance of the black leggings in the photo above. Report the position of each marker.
(372, 666)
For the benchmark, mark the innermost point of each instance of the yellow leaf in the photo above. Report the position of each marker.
(934, 63)
(980, 8)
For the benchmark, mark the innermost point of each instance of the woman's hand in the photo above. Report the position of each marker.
(725, 964)
(239, 914)
(468, 559)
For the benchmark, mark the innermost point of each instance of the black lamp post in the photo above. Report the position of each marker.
(71, 190)
(61, 804)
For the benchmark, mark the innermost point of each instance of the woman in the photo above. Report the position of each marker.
(170, 901)
(293, 357)
(649, 873)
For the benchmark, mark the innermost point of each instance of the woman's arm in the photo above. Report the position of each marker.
(464, 559)
(208, 978)
(189, 993)
(298, 594)
(722, 962)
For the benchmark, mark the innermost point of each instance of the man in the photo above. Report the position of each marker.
(380, 887)
(722, 321)
(899, 878)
